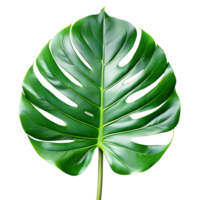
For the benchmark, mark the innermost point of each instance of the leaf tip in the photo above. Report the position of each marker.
(104, 8)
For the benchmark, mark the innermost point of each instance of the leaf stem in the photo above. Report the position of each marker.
(100, 175)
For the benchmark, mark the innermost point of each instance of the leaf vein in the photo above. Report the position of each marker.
(139, 107)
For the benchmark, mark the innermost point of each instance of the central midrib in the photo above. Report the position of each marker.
(102, 94)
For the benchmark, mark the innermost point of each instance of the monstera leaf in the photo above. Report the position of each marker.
(100, 90)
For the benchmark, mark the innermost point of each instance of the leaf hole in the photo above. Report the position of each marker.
(84, 61)
(127, 58)
(72, 79)
(140, 114)
(53, 90)
(132, 78)
(77, 52)
(59, 141)
(158, 139)
(50, 116)
(137, 95)
(88, 113)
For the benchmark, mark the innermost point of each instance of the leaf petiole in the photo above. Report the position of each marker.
(100, 175)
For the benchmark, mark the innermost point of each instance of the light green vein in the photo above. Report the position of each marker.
(145, 126)
(140, 106)
(118, 51)
(83, 156)
(71, 116)
(117, 157)
(120, 146)
(124, 96)
(66, 134)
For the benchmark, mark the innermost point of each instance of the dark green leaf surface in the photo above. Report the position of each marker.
(102, 41)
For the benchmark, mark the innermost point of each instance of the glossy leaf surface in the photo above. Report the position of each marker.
(82, 63)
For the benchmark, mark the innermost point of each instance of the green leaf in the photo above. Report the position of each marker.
(101, 115)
